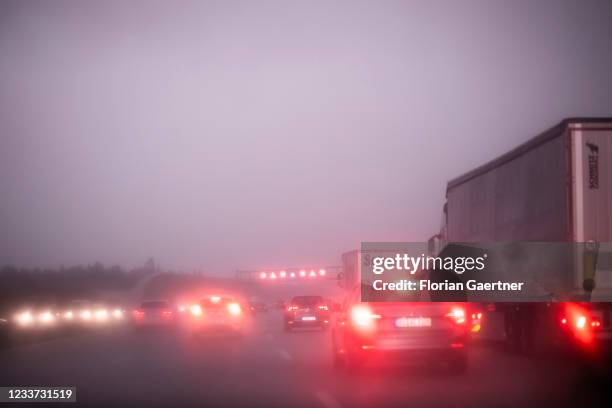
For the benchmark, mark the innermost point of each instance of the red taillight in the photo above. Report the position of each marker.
(234, 309)
(139, 313)
(579, 322)
(457, 314)
(363, 317)
(196, 310)
(292, 308)
(323, 307)
(166, 313)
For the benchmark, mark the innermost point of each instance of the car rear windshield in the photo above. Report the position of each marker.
(158, 304)
(220, 302)
(307, 300)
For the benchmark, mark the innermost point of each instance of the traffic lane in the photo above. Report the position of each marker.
(267, 368)
(159, 368)
(494, 377)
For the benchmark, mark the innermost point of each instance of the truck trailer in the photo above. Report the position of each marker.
(555, 188)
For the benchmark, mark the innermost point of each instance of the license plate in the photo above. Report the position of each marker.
(308, 318)
(413, 322)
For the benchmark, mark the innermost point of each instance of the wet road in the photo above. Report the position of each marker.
(271, 368)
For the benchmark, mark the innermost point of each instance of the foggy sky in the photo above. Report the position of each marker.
(224, 135)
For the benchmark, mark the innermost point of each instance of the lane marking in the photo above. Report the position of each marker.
(285, 354)
(326, 399)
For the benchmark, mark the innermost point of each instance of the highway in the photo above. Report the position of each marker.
(271, 368)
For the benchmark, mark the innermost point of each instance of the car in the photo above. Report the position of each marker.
(86, 312)
(36, 318)
(258, 307)
(217, 314)
(307, 311)
(400, 332)
(154, 314)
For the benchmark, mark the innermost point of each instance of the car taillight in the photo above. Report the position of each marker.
(196, 310)
(292, 308)
(323, 307)
(139, 314)
(457, 314)
(363, 317)
(234, 309)
(166, 313)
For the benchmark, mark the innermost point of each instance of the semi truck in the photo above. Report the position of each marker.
(555, 188)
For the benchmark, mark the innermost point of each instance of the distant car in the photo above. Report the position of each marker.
(307, 311)
(38, 318)
(217, 314)
(84, 312)
(258, 307)
(400, 332)
(154, 313)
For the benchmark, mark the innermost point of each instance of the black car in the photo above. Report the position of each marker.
(258, 307)
(307, 311)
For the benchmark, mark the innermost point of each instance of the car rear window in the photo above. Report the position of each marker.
(307, 300)
(158, 304)
(208, 303)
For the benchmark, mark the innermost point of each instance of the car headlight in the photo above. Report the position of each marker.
(101, 314)
(24, 318)
(46, 317)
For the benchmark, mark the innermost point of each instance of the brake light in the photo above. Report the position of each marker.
(292, 308)
(139, 313)
(579, 322)
(363, 317)
(323, 307)
(166, 313)
(457, 314)
(196, 310)
(234, 309)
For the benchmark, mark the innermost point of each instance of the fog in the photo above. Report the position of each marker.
(224, 135)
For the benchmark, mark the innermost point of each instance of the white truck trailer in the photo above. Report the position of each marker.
(557, 188)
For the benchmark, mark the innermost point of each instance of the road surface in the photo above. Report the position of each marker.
(270, 368)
